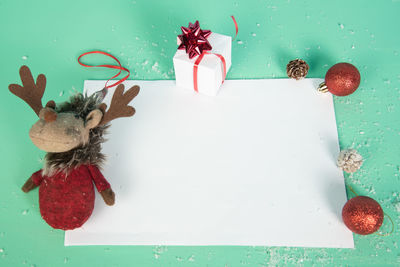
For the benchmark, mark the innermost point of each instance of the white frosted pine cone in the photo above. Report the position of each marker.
(349, 160)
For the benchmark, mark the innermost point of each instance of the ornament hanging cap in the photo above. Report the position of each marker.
(103, 92)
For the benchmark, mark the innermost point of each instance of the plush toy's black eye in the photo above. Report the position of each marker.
(77, 116)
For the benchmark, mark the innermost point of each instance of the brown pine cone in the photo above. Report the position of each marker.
(297, 69)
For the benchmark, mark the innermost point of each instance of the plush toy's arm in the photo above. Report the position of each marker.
(34, 181)
(102, 185)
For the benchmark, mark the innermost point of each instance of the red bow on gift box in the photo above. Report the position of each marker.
(194, 40)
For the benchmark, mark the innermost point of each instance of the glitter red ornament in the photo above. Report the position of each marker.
(341, 79)
(362, 215)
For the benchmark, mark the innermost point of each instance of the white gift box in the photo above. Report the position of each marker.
(210, 70)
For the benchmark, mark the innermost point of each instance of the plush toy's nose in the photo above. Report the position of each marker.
(50, 115)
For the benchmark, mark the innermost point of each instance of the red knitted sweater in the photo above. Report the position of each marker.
(67, 201)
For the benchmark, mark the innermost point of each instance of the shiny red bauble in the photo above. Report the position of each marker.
(362, 215)
(342, 79)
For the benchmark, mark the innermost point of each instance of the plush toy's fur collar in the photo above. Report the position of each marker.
(89, 153)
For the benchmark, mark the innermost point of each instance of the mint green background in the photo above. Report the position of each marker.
(49, 35)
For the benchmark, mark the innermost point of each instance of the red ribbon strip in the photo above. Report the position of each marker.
(200, 57)
(119, 67)
(236, 26)
(196, 65)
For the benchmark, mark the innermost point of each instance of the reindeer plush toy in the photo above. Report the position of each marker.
(71, 134)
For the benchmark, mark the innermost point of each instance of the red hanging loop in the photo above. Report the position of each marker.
(119, 67)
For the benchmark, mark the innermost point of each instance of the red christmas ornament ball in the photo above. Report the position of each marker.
(342, 79)
(362, 215)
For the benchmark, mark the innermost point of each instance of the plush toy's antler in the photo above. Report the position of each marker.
(119, 104)
(30, 92)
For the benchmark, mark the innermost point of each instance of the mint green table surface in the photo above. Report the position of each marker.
(48, 36)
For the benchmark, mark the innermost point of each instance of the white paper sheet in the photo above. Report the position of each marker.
(254, 166)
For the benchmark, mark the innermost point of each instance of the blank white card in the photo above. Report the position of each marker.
(253, 166)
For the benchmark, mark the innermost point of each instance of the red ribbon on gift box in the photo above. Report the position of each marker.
(203, 53)
(196, 65)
